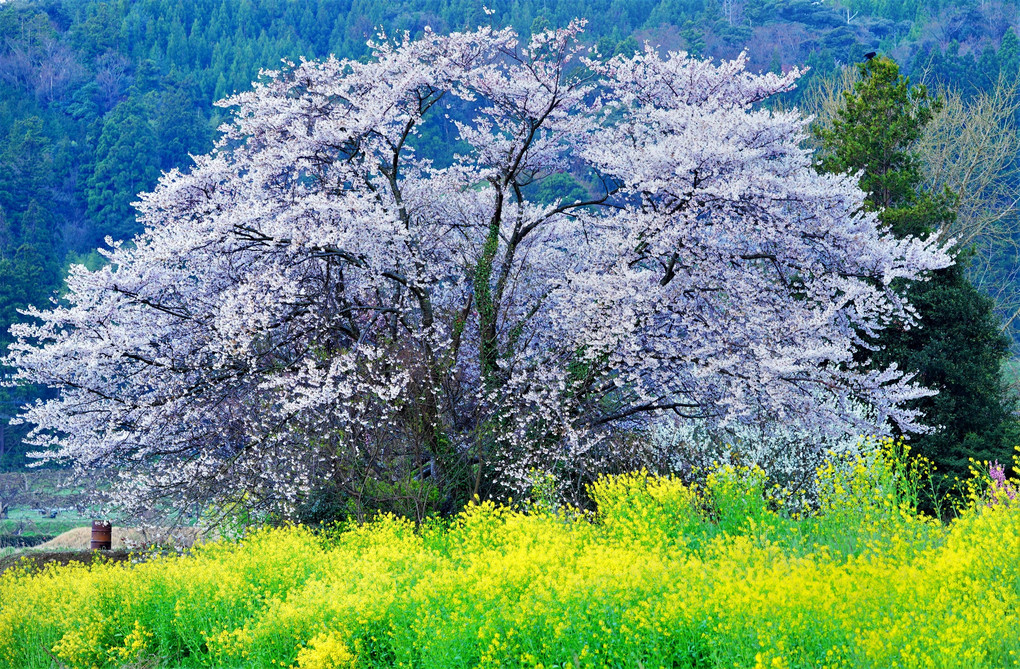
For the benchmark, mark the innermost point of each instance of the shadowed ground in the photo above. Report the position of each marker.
(37, 559)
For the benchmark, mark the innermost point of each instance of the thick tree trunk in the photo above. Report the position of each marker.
(487, 308)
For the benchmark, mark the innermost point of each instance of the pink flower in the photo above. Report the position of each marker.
(1001, 488)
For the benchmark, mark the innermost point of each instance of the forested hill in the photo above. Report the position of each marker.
(96, 98)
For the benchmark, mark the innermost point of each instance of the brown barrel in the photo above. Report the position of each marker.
(102, 535)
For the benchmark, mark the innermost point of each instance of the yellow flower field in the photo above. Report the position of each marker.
(663, 575)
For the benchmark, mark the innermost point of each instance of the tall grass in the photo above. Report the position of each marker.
(662, 575)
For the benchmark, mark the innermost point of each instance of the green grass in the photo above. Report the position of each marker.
(31, 524)
(26, 493)
(26, 524)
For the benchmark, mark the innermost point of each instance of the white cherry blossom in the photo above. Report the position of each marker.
(313, 301)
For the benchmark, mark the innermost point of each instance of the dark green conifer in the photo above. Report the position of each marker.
(125, 165)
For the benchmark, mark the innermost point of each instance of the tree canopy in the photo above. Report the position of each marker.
(97, 97)
(315, 302)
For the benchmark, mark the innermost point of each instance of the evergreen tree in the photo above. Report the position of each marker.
(26, 166)
(126, 164)
(179, 125)
(38, 232)
(958, 348)
(1009, 54)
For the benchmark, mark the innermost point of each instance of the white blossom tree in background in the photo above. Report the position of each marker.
(315, 304)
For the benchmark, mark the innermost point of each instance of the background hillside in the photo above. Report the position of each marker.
(96, 98)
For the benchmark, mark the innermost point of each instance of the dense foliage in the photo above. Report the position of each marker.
(666, 575)
(957, 346)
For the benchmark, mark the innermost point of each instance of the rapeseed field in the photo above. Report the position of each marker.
(721, 574)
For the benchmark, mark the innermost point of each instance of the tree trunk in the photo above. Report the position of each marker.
(487, 308)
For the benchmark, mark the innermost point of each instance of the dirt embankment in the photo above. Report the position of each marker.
(126, 537)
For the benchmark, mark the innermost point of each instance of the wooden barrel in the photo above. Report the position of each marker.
(102, 535)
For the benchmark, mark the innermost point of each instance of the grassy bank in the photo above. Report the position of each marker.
(39, 505)
(662, 575)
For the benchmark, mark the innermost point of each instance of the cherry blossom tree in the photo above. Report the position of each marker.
(313, 303)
